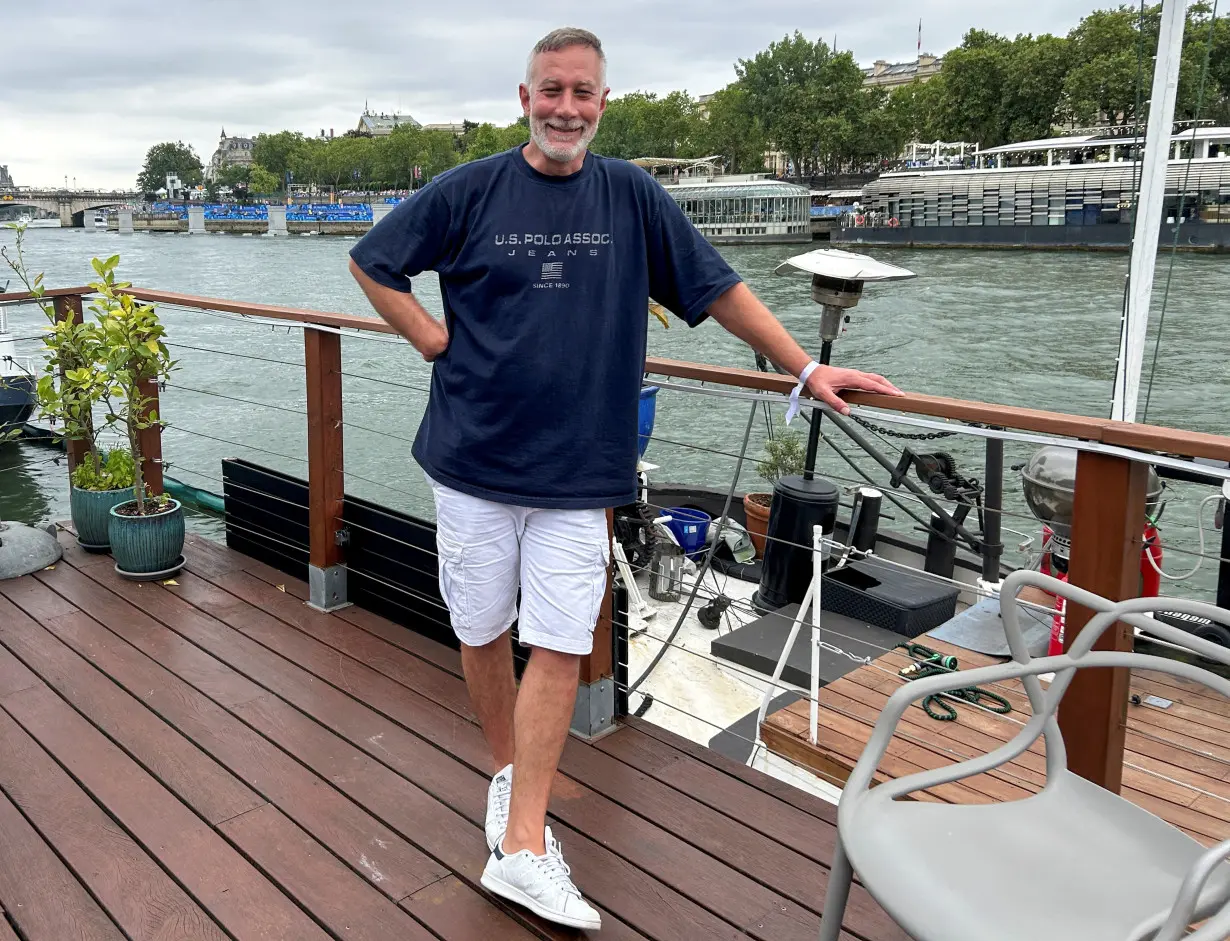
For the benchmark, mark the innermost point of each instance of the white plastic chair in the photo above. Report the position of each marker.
(1074, 861)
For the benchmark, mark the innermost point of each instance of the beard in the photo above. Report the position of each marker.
(563, 153)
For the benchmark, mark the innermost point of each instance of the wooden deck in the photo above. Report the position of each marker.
(1177, 764)
(212, 759)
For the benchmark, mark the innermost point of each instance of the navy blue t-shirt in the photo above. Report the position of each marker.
(546, 282)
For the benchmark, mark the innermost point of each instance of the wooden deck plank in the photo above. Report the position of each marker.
(6, 928)
(283, 678)
(357, 837)
(349, 906)
(763, 813)
(138, 896)
(1176, 763)
(425, 648)
(212, 634)
(380, 716)
(791, 875)
(458, 911)
(432, 720)
(801, 800)
(641, 845)
(235, 894)
(214, 792)
(651, 848)
(1142, 741)
(780, 802)
(605, 878)
(14, 675)
(41, 896)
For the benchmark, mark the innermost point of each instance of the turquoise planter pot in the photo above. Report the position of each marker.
(148, 546)
(91, 513)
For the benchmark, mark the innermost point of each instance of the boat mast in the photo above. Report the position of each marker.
(1149, 205)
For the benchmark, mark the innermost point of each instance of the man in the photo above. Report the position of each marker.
(547, 256)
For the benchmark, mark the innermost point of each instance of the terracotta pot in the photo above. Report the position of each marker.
(756, 506)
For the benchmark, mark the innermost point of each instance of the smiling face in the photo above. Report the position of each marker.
(564, 100)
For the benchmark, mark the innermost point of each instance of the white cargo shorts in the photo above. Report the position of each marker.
(558, 558)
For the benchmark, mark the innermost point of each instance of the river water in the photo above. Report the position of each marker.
(1018, 328)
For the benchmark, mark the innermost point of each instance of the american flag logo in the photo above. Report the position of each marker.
(552, 270)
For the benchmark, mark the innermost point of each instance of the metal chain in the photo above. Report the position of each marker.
(905, 435)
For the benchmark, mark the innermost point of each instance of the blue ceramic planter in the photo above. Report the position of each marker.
(91, 512)
(144, 546)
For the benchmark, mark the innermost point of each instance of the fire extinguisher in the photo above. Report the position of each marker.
(1150, 579)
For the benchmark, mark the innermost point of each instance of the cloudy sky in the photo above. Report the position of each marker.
(87, 87)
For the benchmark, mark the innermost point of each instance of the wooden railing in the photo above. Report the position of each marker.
(1106, 530)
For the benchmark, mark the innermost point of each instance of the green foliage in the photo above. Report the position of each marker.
(115, 471)
(730, 128)
(133, 357)
(640, 124)
(785, 454)
(485, 140)
(813, 106)
(276, 152)
(262, 181)
(69, 387)
(166, 158)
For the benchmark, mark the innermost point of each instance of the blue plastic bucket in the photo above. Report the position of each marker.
(648, 409)
(690, 527)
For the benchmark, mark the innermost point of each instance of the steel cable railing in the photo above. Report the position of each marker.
(737, 609)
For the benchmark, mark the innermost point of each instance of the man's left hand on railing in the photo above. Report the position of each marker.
(826, 381)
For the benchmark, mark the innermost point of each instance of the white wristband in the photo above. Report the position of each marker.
(794, 393)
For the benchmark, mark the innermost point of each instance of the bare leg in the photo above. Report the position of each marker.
(493, 693)
(544, 712)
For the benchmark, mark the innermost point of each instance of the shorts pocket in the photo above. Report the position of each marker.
(454, 587)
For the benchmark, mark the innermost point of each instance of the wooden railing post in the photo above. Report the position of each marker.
(326, 479)
(1107, 535)
(150, 440)
(68, 308)
(594, 714)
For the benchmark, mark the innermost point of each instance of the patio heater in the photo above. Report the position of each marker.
(803, 501)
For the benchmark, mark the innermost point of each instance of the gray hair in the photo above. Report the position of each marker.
(562, 38)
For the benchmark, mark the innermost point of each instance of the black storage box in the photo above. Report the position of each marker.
(888, 597)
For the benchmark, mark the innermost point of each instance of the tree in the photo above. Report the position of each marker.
(640, 124)
(731, 130)
(975, 74)
(807, 98)
(276, 152)
(1111, 65)
(484, 140)
(262, 181)
(916, 109)
(165, 159)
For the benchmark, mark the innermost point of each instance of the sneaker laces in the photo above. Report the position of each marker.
(553, 867)
(502, 795)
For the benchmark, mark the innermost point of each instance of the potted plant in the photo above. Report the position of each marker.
(784, 455)
(72, 383)
(146, 531)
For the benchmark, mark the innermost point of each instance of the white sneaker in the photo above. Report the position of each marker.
(543, 884)
(499, 794)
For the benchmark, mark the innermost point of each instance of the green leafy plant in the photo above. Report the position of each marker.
(71, 384)
(116, 471)
(784, 456)
(134, 358)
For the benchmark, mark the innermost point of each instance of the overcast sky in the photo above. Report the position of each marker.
(87, 87)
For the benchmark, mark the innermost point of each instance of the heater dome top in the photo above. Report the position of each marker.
(843, 266)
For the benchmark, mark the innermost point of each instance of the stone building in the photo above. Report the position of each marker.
(231, 152)
(6, 181)
(892, 74)
(381, 125)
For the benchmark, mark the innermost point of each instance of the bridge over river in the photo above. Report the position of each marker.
(70, 205)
